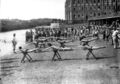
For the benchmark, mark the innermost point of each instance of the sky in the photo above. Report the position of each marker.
(32, 9)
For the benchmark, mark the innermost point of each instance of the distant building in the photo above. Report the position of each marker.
(94, 11)
(55, 25)
(0, 27)
(40, 27)
(52, 25)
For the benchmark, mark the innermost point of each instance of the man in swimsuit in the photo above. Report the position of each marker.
(25, 55)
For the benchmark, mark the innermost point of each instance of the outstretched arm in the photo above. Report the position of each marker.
(92, 40)
(96, 48)
(31, 50)
(46, 49)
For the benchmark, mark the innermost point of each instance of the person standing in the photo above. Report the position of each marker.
(14, 42)
(104, 34)
(31, 35)
(115, 38)
(26, 36)
(107, 34)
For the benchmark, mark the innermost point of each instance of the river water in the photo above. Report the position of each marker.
(6, 38)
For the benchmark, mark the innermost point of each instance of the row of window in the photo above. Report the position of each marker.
(77, 9)
(77, 16)
(85, 1)
(91, 4)
(97, 4)
(93, 1)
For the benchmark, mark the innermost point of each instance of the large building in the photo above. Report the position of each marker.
(94, 11)
(0, 27)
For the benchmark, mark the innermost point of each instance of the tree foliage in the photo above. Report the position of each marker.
(15, 24)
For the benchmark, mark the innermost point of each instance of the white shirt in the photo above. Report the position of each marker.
(114, 33)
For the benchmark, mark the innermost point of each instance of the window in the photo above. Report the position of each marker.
(98, 14)
(82, 8)
(78, 1)
(90, 8)
(98, 7)
(98, 1)
(94, 14)
(104, 7)
(110, 13)
(82, 1)
(73, 9)
(82, 15)
(74, 16)
(105, 13)
(118, 7)
(109, 7)
(91, 14)
(113, 0)
(86, 1)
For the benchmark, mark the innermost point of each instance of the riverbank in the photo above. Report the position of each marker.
(73, 69)
(6, 41)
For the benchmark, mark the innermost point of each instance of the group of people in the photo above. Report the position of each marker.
(55, 32)
(109, 33)
(29, 35)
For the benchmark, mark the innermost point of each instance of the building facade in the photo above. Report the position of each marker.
(0, 27)
(95, 11)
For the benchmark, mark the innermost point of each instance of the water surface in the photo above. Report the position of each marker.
(6, 38)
